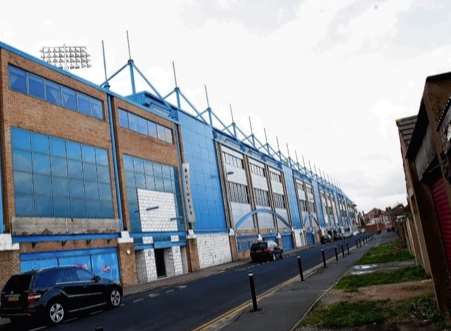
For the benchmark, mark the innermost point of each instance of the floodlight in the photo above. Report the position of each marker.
(66, 57)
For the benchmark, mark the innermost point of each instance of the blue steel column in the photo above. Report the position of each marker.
(122, 225)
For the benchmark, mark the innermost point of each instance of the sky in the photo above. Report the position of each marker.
(327, 77)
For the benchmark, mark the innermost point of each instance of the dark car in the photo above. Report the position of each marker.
(266, 251)
(54, 293)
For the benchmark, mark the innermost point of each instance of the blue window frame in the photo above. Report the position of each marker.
(39, 87)
(54, 177)
(69, 98)
(53, 93)
(144, 126)
(17, 79)
(36, 87)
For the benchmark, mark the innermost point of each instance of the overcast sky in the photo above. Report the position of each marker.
(328, 77)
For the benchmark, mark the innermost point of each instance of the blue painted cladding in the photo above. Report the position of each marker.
(199, 152)
(292, 199)
(287, 242)
(319, 203)
(102, 262)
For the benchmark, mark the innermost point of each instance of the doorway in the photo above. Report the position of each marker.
(159, 262)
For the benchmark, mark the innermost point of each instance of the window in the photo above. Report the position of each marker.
(83, 275)
(233, 161)
(148, 175)
(275, 176)
(48, 278)
(17, 79)
(279, 201)
(261, 197)
(36, 86)
(54, 93)
(238, 193)
(144, 126)
(257, 170)
(54, 177)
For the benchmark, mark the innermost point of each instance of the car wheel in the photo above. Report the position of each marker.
(55, 312)
(115, 297)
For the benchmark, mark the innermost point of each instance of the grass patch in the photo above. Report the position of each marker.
(389, 252)
(347, 314)
(353, 282)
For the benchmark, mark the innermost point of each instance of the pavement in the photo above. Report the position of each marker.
(188, 302)
(285, 307)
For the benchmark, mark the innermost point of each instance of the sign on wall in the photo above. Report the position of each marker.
(191, 217)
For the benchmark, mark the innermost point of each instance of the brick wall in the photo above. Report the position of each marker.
(9, 265)
(126, 256)
(19, 110)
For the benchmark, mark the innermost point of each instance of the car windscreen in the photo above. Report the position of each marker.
(256, 246)
(18, 283)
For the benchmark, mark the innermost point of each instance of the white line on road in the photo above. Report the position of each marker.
(138, 300)
(38, 328)
(153, 295)
(169, 291)
(182, 286)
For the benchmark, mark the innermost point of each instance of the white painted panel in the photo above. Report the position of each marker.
(160, 219)
(232, 152)
(213, 249)
(277, 187)
(239, 210)
(265, 221)
(235, 175)
(145, 266)
(259, 182)
(284, 214)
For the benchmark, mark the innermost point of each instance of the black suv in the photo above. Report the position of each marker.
(266, 251)
(56, 292)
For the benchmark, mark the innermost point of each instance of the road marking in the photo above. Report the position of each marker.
(169, 291)
(38, 328)
(138, 300)
(238, 309)
(153, 295)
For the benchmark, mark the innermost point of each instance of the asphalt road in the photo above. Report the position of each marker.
(187, 306)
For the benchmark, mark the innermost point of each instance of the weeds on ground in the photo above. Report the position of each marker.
(345, 314)
(353, 282)
(389, 252)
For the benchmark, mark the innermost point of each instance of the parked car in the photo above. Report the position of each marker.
(326, 239)
(266, 251)
(54, 293)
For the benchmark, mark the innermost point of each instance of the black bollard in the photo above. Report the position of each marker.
(253, 295)
(347, 247)
(336, 253)
(323, 254)
(301, 270)
(343, 251)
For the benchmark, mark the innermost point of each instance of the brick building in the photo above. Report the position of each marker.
(425, 150)
(135, 188)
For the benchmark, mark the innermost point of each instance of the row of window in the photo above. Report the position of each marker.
(261, 197)
(148, 175)
(238, 192)
(279, 201)
(44, 89)
(54, 177)
(275, 176)
(144, 126)
(257, 170)
(233, 161)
